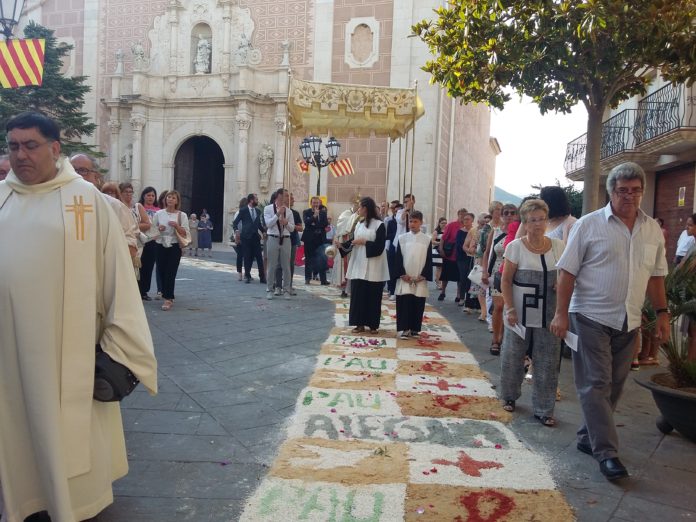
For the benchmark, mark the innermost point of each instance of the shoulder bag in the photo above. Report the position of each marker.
(185, 239)
(112, 380)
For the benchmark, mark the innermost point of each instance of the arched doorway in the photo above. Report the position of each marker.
(199, 175)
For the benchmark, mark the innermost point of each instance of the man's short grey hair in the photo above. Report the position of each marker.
(94, 161)
(625, 171)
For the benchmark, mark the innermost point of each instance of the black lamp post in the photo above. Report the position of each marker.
(311, 153)
(10, 11)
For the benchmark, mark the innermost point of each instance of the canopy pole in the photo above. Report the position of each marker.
(398, 174)
(405, 166)
(413, 146)
(386, 190)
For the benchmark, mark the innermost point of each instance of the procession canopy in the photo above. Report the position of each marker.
(359, 110)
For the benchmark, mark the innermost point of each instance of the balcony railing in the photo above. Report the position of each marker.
(617, 137)
(617, 133)
(575, 154)
(663, 111)
(673, 107)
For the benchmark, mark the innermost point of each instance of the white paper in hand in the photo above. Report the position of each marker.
(518, 328)
(571, 340)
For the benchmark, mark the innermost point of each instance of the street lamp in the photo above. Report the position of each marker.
(10, 11)
(311, 153)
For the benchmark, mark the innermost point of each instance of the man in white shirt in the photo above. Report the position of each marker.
(614, 256)
(402, 217)
(279, 224)
(684, 242)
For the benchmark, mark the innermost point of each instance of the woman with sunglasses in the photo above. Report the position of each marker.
(492, 262)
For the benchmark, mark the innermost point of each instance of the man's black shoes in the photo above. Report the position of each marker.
(585, 448)
(613, 469)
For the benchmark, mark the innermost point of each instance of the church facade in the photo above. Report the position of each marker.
(192, 95)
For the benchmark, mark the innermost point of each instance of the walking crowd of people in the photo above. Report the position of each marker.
(533, 273)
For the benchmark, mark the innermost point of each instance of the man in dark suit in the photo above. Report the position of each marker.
(250, 217)
(314, 237)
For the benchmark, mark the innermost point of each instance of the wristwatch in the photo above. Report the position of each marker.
(662, 311)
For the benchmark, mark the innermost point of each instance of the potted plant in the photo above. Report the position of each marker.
(674, 392)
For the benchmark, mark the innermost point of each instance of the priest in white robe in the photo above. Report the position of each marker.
(69, 287)
(413, 263)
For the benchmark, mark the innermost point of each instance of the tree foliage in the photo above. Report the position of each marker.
(59, 97)
(559, 53)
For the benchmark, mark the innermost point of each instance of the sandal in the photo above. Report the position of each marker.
(358, 329)
(441, 297)
(549, 422)
(495, 349)
(167, 305)
(509, 406)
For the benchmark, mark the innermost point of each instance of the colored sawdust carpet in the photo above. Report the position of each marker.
(401, 429)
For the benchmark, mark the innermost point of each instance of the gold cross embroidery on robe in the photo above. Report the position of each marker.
(80, 209)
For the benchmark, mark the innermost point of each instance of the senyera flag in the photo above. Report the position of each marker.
(303, 166)
(21, 62)
(341, 168)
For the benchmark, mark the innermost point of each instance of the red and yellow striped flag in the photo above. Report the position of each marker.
(302, 165)
(341, 168)
(21, 62)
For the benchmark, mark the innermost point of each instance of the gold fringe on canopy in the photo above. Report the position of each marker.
(360, 110)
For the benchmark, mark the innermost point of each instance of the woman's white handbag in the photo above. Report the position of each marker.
(476, 274)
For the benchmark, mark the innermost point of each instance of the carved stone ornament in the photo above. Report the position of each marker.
(199, 84)
(137, 122)
(243, 122)
(115, 126)
(280, 124)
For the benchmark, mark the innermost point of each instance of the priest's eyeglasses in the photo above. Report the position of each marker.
(26, 146)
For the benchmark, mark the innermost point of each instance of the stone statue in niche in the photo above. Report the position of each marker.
(138, 56)
(119, 62)
(265, 161)
(203, 50)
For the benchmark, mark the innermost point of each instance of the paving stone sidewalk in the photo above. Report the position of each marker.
(232, 364)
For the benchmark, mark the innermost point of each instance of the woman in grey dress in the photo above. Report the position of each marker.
(529, 293)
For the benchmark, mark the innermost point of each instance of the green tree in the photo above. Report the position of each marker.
(559, 53)
(59, 97)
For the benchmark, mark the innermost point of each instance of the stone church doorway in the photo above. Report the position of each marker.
(199, 175)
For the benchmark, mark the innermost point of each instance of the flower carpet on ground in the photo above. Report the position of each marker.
(391, 430)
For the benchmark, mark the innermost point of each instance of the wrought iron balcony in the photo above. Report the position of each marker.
(667, 109)
(575, 154)
(617, 137)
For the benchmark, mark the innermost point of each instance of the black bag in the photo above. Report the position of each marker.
(448, 248)
(112, 380)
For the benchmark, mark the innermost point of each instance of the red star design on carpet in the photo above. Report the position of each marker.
(468, 465)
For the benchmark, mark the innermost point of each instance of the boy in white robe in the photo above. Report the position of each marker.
(414, 268)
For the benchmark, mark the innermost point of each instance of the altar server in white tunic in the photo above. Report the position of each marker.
(367, 269)
(414, 268)
(68, 288)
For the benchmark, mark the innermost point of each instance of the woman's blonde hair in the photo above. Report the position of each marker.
(530, 206)
(178, 198)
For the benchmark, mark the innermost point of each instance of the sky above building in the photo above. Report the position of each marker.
(533, 146)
